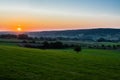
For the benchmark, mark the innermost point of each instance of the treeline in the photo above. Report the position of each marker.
(8, 36)
(12, 36)
(52, 45)
(108, 47)
(46, 45)
(61, 45)
(107, 40)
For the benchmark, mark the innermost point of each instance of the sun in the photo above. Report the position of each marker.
(19, 29)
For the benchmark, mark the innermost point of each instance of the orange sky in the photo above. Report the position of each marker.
(49, 16)
(49, 23)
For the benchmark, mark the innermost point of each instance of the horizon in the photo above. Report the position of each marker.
(59, 30)
(55, 15)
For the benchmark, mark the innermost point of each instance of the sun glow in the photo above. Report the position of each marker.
(19, 29)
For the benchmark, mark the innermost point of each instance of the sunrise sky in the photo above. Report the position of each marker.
(39, 15)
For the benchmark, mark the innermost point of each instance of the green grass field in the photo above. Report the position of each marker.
(33, 64)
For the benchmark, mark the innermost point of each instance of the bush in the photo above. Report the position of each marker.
(77, 49)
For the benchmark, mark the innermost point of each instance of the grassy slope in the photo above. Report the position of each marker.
(33, 64)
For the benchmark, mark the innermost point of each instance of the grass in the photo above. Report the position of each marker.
(33, 64)
(9, 44)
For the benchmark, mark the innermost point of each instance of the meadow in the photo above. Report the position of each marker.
(17, 63)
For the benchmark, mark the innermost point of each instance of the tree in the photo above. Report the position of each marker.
(45, 45)
(33, 41)
(114, 47)
(78, 49)
(24, 41)
(58, 45)
(103, 46)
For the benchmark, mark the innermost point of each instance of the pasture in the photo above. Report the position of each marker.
(18, 63)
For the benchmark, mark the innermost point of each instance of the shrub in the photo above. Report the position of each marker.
(77, 49)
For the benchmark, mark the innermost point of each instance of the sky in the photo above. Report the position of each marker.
(39, 15)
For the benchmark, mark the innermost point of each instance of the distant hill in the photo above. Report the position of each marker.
(82, 34)
(107, 33)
